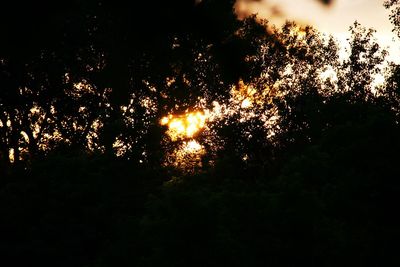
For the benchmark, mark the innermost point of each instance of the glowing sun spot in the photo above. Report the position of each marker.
(192, 146)
(246, 103)
(184, 126)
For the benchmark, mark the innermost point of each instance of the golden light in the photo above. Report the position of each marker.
(164, 121)
(300, 31)
(192, 146)
(11, 155)
(246, 103)
(187, 157)
(245, 100)
(184, 126)
(244, 95)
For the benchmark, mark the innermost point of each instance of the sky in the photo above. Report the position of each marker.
(332, 19)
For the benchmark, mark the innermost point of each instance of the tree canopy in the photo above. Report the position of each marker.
(174, 133)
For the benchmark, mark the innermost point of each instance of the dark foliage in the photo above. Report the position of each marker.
(307, 175)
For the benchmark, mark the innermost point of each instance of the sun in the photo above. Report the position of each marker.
(184, 126)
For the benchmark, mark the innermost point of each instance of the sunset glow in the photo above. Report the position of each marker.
(192, 146)
(332, 19)
(200, 132)
(184, 126)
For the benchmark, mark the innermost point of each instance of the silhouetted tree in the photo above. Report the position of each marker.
(394, 7)
(300, 154)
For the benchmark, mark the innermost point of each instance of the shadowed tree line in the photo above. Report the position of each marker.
(300, 162)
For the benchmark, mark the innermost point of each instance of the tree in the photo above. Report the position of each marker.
(394, 6)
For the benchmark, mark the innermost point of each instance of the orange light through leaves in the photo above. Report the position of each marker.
(184, 126)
